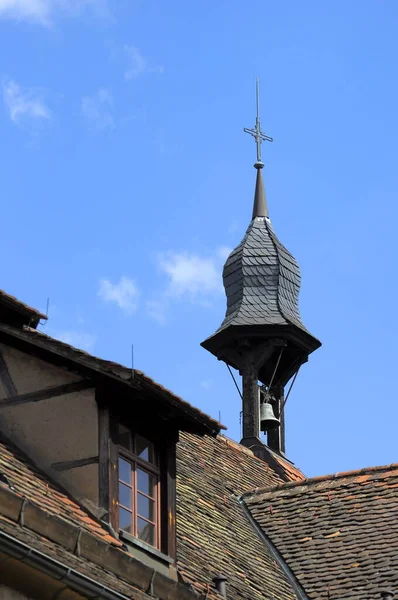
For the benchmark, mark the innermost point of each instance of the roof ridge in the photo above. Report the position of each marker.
(315, 480)
(247, 450)
(281, 468)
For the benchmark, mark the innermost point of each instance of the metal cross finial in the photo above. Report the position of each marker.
(256, 132)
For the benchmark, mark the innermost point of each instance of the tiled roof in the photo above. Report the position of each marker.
(214, 534)
(13, 303)
(79, 564)
(338, 533)
(213, 531)
(111, 369)
(286, 468)
(30, 483)
(37, 512)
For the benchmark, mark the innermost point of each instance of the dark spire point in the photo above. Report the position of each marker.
(260, 203)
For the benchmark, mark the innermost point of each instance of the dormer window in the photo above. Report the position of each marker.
(139, 487)
(138, 435)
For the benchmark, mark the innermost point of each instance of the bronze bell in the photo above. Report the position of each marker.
(267, 418)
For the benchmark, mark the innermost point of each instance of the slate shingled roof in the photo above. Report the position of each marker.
(261, 280)
(338, 533)
(214, 534)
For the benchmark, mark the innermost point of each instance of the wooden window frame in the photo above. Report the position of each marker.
(165, 446)
(135, 462)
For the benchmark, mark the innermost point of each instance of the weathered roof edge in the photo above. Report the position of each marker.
(15, 304)
(102, 366)
(64, 574)
(314, 480)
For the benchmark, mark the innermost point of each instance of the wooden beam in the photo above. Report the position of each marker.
(6, 378)
(73, 464)
(104, 456)
(113, 476)
(169, 545)
(251, 398)
(46, 393)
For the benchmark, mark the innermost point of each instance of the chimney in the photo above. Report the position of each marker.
(220, 585)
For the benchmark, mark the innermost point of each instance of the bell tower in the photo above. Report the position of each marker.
(262, 334)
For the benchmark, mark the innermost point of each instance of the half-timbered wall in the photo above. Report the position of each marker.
(56, 432)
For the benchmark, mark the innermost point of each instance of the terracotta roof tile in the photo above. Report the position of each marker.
(289, 471)
(31, 484)
(214, 534)
(81, 565)
(338, 533)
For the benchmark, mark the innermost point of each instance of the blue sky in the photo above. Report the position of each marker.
(126, 177)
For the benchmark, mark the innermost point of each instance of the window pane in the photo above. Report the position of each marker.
(145, 482)
(124, 471)
(146, 507)
(124, 436)
(126, 520)
(125, 495)
(146, 532)
(144, 449)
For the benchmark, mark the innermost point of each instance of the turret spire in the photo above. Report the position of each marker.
(260, 204)
(262, 334)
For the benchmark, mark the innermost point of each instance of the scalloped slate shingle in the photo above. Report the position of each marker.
(261, 280)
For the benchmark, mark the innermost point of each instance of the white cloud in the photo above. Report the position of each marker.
(192, 276)
(156, 309)
(78, 339)
(138, 64)
(43, 11)
(24, 104)
(125, 294)
(97, 110)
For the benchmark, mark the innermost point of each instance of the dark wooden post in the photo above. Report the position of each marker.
(251, 398)
(282, 419)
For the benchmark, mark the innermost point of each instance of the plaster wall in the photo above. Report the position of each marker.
(59, 429)
(7, 593)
